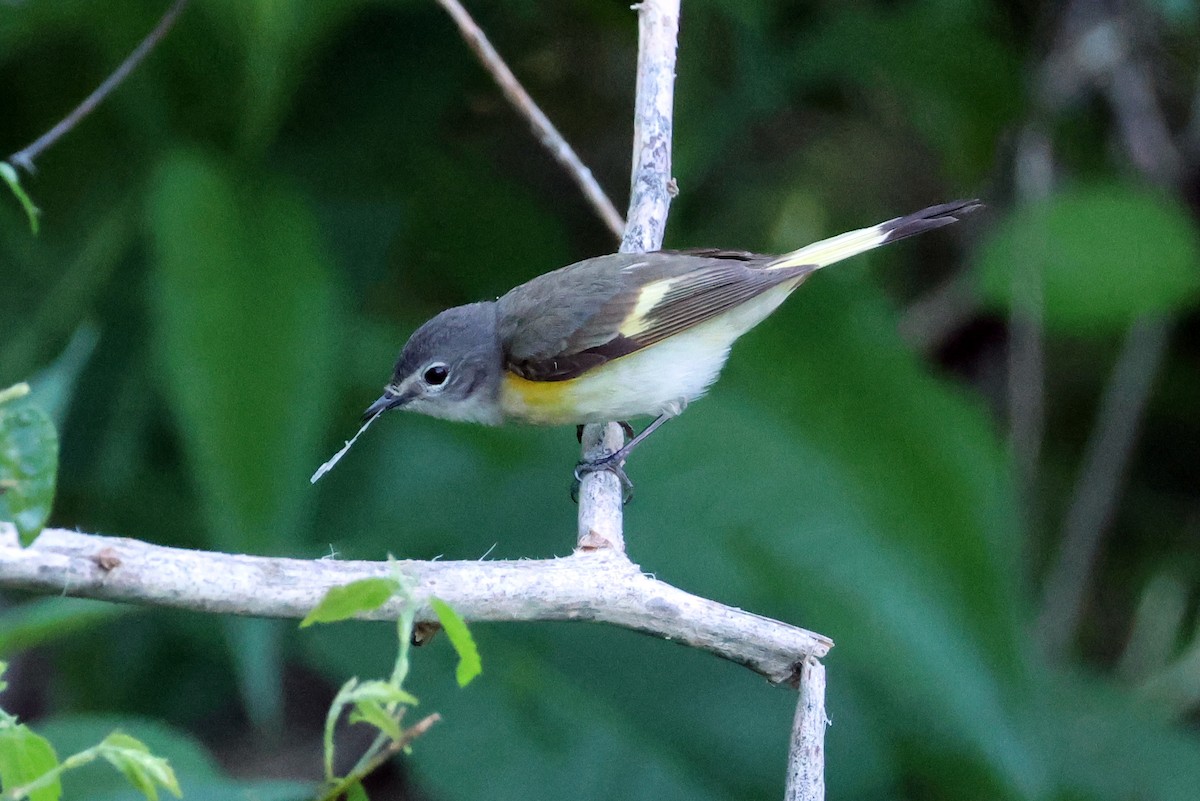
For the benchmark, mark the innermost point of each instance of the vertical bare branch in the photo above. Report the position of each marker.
(651, 190)
(651, 184)
(601, 496)
(543, 129)
(806, 755)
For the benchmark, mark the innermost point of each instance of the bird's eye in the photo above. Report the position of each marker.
(436, 374)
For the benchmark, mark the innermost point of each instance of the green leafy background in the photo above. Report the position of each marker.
(235, 245)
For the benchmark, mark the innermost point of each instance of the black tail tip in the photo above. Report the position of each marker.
(930, 218)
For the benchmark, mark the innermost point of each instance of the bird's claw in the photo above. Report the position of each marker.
(613, 463)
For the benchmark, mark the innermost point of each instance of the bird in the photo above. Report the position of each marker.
(613, 337)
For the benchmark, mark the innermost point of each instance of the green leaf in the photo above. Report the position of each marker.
(382, 692)
(373, 713)
(144, 770)
(192, 764)
(195, 769)
(10, 176)
(356, 793)
(28, 467)
(25, 756)
(1107, 254)
(346, 601)
(469, 663)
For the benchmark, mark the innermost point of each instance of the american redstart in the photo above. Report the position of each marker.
(612, 337)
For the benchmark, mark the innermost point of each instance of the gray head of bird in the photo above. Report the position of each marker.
(450, 368)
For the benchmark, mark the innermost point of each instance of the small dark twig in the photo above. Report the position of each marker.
(26, 158)
(372, 762)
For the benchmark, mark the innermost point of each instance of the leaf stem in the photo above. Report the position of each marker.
(50, 776)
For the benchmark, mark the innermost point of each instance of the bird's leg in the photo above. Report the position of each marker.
(581, 469)
(615, 461)
(619, 456)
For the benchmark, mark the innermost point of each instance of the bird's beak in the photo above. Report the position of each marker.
(389, 400)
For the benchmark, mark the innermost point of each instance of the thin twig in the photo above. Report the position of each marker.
(1097, 489)
(371, 764)
(600, 586)
(545, 131)
(1026, 350)
(26, 158)
(806, 755)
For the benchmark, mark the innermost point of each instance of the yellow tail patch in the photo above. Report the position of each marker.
(834, 249)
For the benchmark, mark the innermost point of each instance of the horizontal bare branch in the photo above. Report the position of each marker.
(601, 586)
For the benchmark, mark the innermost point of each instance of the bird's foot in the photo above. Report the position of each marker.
(612, 463)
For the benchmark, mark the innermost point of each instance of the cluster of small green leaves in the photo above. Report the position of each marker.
(28, 463)
(30, 768)
(378, 702)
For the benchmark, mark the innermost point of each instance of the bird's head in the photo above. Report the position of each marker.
(450, 368)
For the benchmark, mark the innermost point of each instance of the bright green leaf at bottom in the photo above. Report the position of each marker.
(382, 692)
(144, 770)
(348, 600)
(25, 756)
(469, 663)
(371, 712)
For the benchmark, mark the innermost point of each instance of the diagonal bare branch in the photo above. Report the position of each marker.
(27, 156)
(543, 129)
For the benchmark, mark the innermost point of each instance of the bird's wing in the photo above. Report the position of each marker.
(563, 324)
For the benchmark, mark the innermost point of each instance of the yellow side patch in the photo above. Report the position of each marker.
(547, 402)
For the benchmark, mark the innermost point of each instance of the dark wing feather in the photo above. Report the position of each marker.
(563, 324)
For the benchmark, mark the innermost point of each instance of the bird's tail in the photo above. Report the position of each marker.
(843, 246)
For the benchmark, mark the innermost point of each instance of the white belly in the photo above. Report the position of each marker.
(659, 379)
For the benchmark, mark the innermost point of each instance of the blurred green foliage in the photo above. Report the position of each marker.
(235, 245)
(28, 463)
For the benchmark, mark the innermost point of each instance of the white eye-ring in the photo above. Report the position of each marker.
(436, 374)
